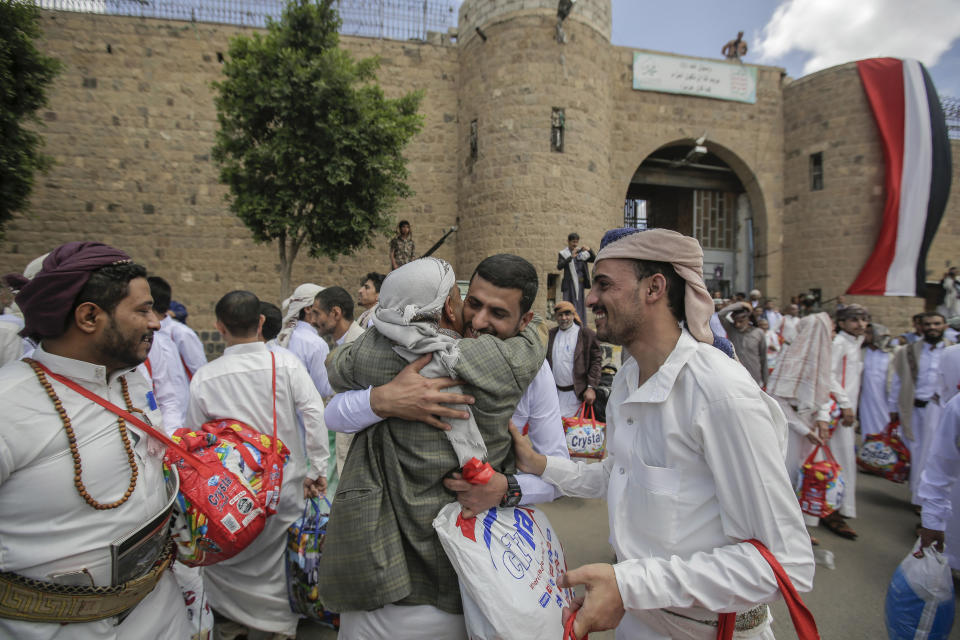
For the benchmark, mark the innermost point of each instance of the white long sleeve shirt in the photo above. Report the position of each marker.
(312, 350)
(928, 377)
(942, 470)
(170, 383)
(846, 368)
(46, 528)
(350, 412)
(187, 341)
(694, 467)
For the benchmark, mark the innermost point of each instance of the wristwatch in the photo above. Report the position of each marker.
(513, 495)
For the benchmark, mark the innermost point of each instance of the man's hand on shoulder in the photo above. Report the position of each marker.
(410, 396)
(477, 498)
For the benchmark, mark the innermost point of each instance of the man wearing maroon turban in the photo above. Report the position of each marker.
(100, 477)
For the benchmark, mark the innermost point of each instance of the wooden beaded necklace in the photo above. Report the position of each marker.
(72, 438)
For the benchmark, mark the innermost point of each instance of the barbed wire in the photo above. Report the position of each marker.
(393, 19)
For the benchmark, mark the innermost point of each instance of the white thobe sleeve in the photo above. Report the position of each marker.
(893, 395)
(547, 437)
(741, 448)
(837, 376)
(170, 404)
(310, 406)
(191, 349)
(318, 369)
(350, 412)
(941, 470)
(196, 413)
(579, 479)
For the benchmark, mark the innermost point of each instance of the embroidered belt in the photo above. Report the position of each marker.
(23, 598)
(569, 388)
(745, 621)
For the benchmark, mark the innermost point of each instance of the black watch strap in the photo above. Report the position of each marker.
(513, 495)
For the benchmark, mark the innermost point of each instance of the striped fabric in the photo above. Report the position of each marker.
(916, 152)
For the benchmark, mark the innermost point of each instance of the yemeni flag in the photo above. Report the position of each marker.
(916, 150)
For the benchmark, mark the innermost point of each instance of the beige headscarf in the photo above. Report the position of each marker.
(686, 256)
(802, 375)
(302, 298)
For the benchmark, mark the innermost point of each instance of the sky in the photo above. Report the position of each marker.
(801, 36)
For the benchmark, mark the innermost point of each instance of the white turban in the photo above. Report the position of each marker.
(302, 298)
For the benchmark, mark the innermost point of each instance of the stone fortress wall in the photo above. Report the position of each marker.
(131, 122)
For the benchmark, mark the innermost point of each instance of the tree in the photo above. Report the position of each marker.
(25, 75)
(308, 144)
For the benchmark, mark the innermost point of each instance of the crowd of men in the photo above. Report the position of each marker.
(714, 407)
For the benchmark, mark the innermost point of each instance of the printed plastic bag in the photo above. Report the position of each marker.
(885, 454)
(305, 539)
(820, 485)
(508, 561)
(199, 612)
(230, 478)
(920, 602)
(585, 435)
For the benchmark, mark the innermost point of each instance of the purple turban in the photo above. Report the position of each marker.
(47, 299)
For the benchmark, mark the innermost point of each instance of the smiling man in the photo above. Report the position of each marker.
(101, 478)
(694, 465)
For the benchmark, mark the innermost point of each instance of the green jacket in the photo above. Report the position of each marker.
(380, 546)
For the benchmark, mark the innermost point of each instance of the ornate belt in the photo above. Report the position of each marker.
(745, 621)
(23, 598)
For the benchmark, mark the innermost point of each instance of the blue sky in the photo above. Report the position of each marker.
(800, 35)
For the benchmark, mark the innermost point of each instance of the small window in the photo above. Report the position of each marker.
(557, 119)
(816, 171)
(635, 214)
(474, 143)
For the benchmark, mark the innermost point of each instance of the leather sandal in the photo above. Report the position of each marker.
(835, 523)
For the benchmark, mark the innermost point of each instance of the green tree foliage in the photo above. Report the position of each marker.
(308, 144)
(25, 74)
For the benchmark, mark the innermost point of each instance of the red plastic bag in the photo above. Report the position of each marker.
(586, 436)
(226, 499)
(885, 454)
(820, 484)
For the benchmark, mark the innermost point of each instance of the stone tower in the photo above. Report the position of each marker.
(534, 115)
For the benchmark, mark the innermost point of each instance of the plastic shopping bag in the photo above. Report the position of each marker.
(885, 454)
(508, 561)
(920, 602)
(585, 435)
(305, 539)
(820, 485)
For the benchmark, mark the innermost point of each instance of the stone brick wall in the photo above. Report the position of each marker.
(518, 195)
(748, 137)
(830, 233)
(483, 13)
(130, 126)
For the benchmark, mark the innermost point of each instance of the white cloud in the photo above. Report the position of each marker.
(832, 32)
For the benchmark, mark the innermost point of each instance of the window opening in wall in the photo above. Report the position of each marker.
(816, 171)
(635, 213)
(474, 132)
(557, 119)
(713, 218)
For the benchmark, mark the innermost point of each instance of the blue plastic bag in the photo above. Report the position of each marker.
(920, 602)
(305, 539)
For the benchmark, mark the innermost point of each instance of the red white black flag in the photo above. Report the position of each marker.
(913, 132)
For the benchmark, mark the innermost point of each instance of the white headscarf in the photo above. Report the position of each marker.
(950, 373)
(302, 298)
(802, 375)
(410, 306)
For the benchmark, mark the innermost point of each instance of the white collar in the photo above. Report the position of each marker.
(77, 369)
(246, 347)
(658, 386)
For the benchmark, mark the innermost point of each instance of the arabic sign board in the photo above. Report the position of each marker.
(671, 74)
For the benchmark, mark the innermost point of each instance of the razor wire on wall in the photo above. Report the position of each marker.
(394, 19)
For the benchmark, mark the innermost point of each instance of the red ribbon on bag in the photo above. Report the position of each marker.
(476, 472)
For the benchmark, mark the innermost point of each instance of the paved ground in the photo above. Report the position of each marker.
(847, 601)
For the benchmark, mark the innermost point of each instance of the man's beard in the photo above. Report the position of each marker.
(931, 338)
(121, 349)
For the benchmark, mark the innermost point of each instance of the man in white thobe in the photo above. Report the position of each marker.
(845, 370)
(189, 347)
(250, 588)
(914, 396)
(94, 333)
(301, 338)
(939, 491)
(575, 356)
(694, 465)
(874, 415)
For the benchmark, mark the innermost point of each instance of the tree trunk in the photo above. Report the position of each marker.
(288, 255)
